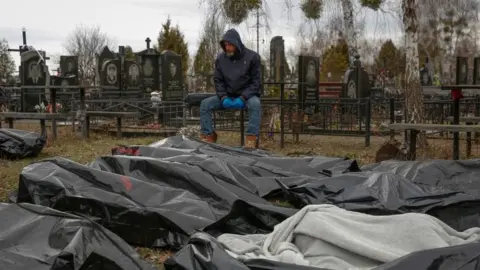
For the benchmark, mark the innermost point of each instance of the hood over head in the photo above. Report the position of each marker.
(233, 37)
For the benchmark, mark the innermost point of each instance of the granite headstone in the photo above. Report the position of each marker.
(349, 87)
(110, 74)
(210, 83)
(462, 70)
(69, 65)
(172, 76)
(150, 70)
(277, 55)
(133, 74)
(425, 78)
(308, 71)
(476, 70)
(33, 74)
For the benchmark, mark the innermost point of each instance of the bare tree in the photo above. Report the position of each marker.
(86, 42)
(413, 90)
(444, 25)
(213, 30)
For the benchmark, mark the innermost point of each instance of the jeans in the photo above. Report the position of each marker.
(213, 103)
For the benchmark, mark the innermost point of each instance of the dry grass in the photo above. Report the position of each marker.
(68, 145)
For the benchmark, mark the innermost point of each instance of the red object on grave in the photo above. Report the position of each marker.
(457, 94)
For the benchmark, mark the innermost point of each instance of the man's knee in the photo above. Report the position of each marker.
(209, 103)
(254, 103)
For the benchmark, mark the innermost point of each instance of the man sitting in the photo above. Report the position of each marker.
(238, 84)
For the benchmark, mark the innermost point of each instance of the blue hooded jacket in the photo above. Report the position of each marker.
(239, 75)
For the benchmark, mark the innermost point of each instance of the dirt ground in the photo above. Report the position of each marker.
(68, 145)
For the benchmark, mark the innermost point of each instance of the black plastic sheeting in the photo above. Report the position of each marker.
(160, 195)
(203, 252)
(40, 238)
(20, 144)
(151, 201)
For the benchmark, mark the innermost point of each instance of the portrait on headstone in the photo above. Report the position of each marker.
(351, 89)
(311, 77)
(112, 73)
(34, 72)
(171, 75)
(70, 66)
(64, 83)
(148, 67)
(134, 73)
(173, 70)
(308, 83)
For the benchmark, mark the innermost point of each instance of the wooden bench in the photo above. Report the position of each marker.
(414, 129)
(11, 116)
(466, 119)
(118, 115)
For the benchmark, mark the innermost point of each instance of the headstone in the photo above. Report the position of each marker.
(110, 74)
(349, 87)
(476, 70)
(105, 55)
(33, 68)
(69, 65)
(425, 78)
(462, 70)
(172, 76)
(308, 71)
(33, 74)
(133, 75)
(148, 61)
(210, 83)
(277, 59)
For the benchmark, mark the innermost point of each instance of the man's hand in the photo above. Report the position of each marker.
(227, 103)
(230, 103)
(238, 103)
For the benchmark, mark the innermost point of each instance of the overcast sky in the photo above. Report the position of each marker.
(129, 22)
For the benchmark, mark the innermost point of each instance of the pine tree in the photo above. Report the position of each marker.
(202, 64)
(129, 54)
(172, 39)
(388, 58)
(335, 61)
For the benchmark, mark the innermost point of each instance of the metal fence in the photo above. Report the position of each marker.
(281, 117)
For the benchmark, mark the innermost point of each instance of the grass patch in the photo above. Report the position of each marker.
(70, 146)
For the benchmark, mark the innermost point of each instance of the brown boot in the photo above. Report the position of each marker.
(251, 141)
(211, 138)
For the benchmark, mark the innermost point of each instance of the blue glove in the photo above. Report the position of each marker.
(227, 103)
(238, 103)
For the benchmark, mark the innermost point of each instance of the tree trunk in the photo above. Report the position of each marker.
(350, 34)
(413, 88)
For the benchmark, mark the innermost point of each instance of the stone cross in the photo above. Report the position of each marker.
(148, 42)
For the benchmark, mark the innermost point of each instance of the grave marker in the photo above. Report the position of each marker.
(33, 73)
(277, 55)
(308, 70)
(171, 76)
(148, 61)
(462, 70)
(133, 74)
(210, 83)
(110, 74)
(349, 87)
(476, 70)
